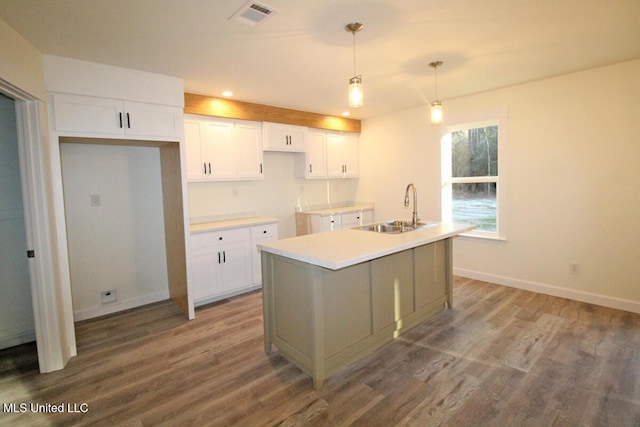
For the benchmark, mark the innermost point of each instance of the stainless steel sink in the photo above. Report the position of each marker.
(381, 228)
(395, 226)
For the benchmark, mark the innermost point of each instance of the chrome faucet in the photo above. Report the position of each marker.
(414, 218)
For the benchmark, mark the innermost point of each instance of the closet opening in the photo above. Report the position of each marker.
(123, 206)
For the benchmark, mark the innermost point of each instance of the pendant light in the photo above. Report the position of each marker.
(355, 82)
(436, 106)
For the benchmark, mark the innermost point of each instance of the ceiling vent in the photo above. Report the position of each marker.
(252, 13)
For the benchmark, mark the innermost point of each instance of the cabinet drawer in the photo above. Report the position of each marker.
(352, 219)
(266, 231)
(219, 237)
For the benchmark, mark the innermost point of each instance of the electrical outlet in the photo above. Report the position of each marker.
(95, 200)
(108, 297)
(574, 268)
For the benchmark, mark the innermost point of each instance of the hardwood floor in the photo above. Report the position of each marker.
(499, 357)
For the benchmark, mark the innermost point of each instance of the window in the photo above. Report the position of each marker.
(473, 179)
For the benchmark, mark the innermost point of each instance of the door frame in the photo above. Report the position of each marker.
(52, 312)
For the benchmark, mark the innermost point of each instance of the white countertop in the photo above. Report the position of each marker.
(338, 209)
(343, 248)
(231, 223)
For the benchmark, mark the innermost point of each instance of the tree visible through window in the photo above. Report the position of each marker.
(474, 156)
(471, 178)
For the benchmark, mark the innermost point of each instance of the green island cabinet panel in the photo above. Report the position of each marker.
(322, 320)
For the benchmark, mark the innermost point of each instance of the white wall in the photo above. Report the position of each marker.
(21, 63)
(395, 150)
(119, 244)
(70, 75)
(277, 195)
(573, 174)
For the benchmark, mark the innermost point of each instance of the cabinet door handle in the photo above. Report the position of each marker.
(128, 121)
(260, 167)
(310, 168)
(205, 167)
(224, 256)
(120, 115)
(218, 257)
(209, 168)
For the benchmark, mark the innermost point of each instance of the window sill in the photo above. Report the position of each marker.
(485, 237)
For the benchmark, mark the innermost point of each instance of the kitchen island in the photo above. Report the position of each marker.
(332, 298)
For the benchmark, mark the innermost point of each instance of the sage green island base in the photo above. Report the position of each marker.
(323, 319)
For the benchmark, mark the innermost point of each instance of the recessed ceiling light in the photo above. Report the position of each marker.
(346, 113)
(227, 93)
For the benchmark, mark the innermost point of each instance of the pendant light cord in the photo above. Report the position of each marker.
(354, 53)
(436, 69)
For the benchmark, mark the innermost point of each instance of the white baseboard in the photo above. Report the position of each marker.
(588, 297)
(225, 295)
(89, 313)
(12, 338)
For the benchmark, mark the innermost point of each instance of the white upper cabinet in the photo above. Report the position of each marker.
(151, 120)
(87, 114)
(313, 162)
(342, 155)
(217, 150)
(328, 155)
(221, 149)
(279, 137)
(248, 137)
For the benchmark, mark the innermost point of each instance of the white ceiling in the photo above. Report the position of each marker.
(301, 57)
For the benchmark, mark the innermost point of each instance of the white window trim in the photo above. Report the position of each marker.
(479, 119)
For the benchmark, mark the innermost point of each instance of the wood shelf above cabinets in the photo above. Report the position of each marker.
(227, 108)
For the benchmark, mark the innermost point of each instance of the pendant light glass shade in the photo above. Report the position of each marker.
(355, 82)
(355, 91)
(436, 112)
(436, 106)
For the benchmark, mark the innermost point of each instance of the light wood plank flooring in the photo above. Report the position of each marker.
(499, 357)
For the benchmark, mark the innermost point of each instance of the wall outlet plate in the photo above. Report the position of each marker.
(109, 297)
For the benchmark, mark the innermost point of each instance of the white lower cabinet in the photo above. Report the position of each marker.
(227, 262)
(354, 219)
(316, 222)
